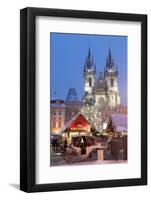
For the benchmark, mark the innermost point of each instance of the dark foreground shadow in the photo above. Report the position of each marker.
(14, 185)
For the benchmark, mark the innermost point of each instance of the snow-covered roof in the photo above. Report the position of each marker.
(120, 122)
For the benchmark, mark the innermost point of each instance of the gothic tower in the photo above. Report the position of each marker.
(89, 74)
(111, 77)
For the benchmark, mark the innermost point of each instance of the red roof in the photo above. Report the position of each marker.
(79, 122)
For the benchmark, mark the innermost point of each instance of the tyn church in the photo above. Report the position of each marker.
(103, 91)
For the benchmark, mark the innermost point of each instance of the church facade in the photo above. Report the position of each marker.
(103, 92)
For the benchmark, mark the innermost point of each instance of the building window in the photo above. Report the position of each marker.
(60, 112)
(73, 113)
(54, 112)
(59, 124)
(90, 82)
(112, 82)
(60, 118)
(54, 124)
(101, 103)
(54, 118)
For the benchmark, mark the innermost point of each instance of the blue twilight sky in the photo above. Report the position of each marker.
(67, 58)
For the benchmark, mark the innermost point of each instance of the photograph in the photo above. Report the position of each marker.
(83, 99)
(88, 99)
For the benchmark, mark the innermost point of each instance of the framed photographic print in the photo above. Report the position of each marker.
(83, 99)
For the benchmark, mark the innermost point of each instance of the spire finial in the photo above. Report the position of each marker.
(110, 56)
(89, 53)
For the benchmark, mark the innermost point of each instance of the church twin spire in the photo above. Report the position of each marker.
(106, 86)
(110, 66)
(89, 62)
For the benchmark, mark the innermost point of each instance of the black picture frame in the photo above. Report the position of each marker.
(28, 99)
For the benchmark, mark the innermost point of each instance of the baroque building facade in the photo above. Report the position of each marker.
(62, 111)
(57, 115)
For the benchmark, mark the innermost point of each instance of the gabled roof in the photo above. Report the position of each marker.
(77, 119)
(119, 122)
